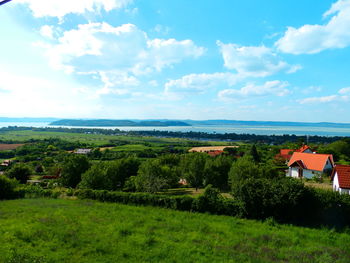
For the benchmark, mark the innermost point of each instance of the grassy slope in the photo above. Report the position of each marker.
(44, 230)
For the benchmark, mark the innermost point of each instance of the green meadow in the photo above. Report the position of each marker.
(96, 139)
(57, 230)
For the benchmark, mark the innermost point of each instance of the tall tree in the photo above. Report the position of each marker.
(73, 167)
(254, 153)
(192, 167)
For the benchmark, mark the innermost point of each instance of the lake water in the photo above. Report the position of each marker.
(251, 129)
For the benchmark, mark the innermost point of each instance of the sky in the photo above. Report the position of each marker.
(258, 60)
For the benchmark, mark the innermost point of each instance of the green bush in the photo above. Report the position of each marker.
(20, 172)
(8, 188)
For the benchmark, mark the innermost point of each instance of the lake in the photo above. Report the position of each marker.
(251, 129)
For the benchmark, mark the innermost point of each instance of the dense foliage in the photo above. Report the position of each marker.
(8, 188)
(20, 172)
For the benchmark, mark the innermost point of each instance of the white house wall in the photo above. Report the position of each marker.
(294, 172)
(336, 185)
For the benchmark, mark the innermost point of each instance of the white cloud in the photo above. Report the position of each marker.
(101, 47)
(344, 91)
(255, 61)
(47, 31)
(343, 95)
(199, 83)
(28, 95)
(60, 8)
(276, 87)
(310, 39)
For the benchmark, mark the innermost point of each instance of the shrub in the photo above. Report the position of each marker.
(8, 188)
(20, 172)
(263, 198)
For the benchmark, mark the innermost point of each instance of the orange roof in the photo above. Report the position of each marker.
(303, 148)
(311, 161)
(286, 151)
(343, 172)
(215, 153)
(285, 154)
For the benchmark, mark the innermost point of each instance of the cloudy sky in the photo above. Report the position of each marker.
(244, 60)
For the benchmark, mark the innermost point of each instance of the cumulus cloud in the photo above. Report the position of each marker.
(28, 95)
(310, 39)
(60, 8)
(276, 87)
(255, 61)
(342, 95)
(199, 83)
(47, 31)
(101, 47)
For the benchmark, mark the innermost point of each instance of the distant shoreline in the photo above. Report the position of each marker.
(169, 122)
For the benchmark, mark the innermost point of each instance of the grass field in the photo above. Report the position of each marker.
(95, 139)
(48, 230)
(5, 146)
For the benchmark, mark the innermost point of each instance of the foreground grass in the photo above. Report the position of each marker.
(48, 230)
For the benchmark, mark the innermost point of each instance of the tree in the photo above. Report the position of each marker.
(73, 167)
(95, 178)
(192, 167)
(7, 187)
(20, 172)
(153, 177)
(254, 153)
(244, 168)
(216, 171)
(120, 170)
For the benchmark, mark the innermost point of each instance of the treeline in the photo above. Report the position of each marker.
(59, 129)
(274, 139)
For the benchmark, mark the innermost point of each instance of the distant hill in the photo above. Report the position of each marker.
(120, 123)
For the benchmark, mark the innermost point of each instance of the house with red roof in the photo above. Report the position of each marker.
(308, 165)
(341, 179)
(286, 154)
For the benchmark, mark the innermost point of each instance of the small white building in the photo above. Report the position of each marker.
(308, 165)
(341, 179)
(83, 151)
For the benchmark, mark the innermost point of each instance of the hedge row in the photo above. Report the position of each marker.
(314, 207)
(214, 204)
(211, 201)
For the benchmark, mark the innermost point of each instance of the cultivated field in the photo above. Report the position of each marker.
(210, 148)
(5, 146)
(52, 230)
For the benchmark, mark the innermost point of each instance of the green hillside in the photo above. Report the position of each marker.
(49, 230)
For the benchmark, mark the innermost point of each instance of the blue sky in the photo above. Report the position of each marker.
(136, 59)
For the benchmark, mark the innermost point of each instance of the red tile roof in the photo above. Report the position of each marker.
(215, 153)
(303, 148)
(285, 154)
(343, 172)
(311, 161)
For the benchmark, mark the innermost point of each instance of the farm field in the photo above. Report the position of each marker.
(210, 148)
(57, 230)
(6, 147)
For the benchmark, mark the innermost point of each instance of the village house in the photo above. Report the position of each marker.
(286, 154)
(308, 165)
(341, 179)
